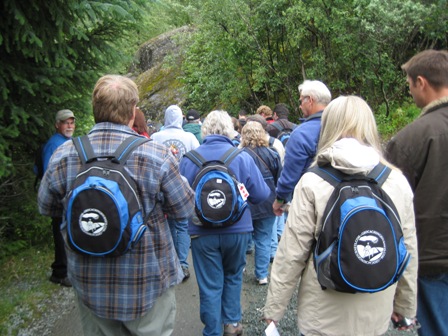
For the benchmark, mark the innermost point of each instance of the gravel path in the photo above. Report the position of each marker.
(60, 316)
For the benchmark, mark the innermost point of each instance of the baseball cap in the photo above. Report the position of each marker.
(193, 115)
(64, 115)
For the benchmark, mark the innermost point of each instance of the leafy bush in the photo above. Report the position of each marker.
(398, 118)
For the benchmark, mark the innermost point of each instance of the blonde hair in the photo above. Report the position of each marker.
(253, 135)
(348, 117)
(114, 98)
(217, 122)
(266, 110)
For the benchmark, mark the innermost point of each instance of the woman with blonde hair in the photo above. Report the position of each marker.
(349, 142)
(255, 143)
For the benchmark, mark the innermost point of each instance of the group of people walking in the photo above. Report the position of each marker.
(133, 294)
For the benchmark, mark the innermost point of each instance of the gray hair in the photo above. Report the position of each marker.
(218, 122)
(316, 89)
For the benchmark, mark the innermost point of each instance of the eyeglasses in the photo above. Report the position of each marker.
(68, 123)
(302, 100)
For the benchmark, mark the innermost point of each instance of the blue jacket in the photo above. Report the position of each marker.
(52, 144)
(245, 170)
(299, 153)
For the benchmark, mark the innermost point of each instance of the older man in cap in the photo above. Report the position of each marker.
(65, 127)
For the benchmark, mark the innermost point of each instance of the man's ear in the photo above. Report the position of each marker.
(421, 82)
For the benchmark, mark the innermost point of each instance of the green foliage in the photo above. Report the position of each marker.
(399, 118)
(249, 52)
(52, 53)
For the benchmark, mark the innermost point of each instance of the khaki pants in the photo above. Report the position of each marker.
(159, 320)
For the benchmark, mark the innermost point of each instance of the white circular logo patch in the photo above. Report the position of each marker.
(93, 222)
(370, 247)
(216, 199)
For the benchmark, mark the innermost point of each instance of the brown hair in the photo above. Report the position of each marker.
(430, 64)
(114, 98)
(236, 124)
(140, 122)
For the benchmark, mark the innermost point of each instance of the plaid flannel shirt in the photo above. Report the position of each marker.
(126, 287)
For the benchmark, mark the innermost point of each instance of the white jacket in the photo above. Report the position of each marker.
(327, 312)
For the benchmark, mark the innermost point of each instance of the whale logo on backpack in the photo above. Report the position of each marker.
(104, 214)
(361, 246)
(220, 199)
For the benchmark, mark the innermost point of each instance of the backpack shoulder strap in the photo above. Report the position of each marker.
(328, 173)
(380, 173)
(84, 148)
(277, 126)
(333, 176)
(87, 154)
(196, 158)
(271, 141)
(125, 149)
(229, 155)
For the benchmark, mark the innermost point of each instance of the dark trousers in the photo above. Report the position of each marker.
(59, 266)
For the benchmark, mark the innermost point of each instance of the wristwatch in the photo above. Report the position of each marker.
(280, 200)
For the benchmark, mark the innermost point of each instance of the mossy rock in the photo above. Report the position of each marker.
(157, 71)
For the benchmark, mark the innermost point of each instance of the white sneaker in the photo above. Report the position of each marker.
(263, 281)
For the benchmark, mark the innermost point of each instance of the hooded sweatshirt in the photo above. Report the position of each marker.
(173, 136)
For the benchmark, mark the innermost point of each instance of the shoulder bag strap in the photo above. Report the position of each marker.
(229, 155)
(84, 149)
(196, 158)
(125, 149)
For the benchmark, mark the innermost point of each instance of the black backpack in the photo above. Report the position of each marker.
(220, 200)
(284, 133)
(103, 210)
(361, 246)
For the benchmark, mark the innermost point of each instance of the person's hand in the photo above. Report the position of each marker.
(268, 321)
(277, 208)
(403, 323)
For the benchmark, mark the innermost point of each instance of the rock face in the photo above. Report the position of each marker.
(157, 70)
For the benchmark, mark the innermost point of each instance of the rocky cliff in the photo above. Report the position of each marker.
(157, 70)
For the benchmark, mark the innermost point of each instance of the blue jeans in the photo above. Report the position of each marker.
(262, 239)
(181, 239)
(277, 230)
(250, 244)
(432, 309)
(219, 261)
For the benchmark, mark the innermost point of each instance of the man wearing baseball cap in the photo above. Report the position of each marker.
(65, 127)
(193, 124)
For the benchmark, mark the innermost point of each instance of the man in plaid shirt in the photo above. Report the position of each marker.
(133, 293)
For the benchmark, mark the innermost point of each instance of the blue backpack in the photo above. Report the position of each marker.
(361, 246)
(220, 200)
(236, 140)
(284, 133)
(104, 214)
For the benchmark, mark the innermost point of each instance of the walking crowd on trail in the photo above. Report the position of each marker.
(358, 232)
